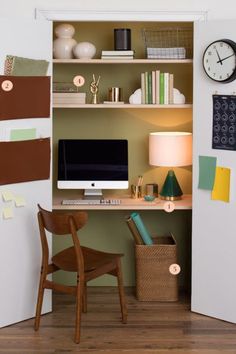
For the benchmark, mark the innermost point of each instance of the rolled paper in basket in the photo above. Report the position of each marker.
(142, 229)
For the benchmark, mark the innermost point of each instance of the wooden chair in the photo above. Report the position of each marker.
(88, 263)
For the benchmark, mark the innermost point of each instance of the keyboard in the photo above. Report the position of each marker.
(91, 202)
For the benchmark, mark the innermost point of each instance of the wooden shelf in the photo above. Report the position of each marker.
(127, 203)
(120, 106)
(122, 61)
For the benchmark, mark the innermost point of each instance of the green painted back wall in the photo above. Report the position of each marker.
(107, 230)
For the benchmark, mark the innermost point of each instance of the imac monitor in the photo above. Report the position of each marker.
(92, 165)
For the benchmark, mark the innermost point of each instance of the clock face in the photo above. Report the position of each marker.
(219, 61)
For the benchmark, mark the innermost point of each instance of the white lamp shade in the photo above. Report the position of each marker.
(170, 149)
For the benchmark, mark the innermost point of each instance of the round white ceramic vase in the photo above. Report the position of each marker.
(64, 44)
(84, 50)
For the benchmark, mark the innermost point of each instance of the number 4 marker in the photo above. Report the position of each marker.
(79, 80)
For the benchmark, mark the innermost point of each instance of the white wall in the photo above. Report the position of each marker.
(26, 8)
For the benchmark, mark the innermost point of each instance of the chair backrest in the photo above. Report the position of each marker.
(58, 222)
(62, 223)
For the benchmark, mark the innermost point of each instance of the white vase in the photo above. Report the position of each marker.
(64, 44)
(84, 50)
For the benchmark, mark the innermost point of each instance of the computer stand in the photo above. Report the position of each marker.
(93, 194)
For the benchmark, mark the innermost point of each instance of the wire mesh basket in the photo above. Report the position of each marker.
(168, 43)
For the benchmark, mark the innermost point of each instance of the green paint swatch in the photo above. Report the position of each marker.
(22, 134)
(207, 171)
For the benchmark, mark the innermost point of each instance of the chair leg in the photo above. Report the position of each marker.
(84, 307)
(121, 292)
(79, 299)
(40, 299)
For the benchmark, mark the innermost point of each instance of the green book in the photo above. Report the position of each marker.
(157, 90)
(149, 87)
(162, 88)
(146, 86)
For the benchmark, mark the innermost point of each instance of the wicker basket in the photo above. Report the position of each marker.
(154, 282)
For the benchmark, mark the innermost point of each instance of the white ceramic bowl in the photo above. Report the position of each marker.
(84, 50)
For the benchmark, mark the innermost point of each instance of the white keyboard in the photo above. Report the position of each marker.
(91, 202)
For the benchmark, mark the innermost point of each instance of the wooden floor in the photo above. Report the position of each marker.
(152, 328)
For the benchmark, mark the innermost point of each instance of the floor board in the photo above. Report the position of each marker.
(153, 327)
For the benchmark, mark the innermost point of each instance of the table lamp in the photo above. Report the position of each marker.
(170, 149)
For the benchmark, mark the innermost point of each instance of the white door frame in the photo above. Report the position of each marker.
(82, 15)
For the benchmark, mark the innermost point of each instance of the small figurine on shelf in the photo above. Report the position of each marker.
(94, 90)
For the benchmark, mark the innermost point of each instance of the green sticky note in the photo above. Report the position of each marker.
(22, 134)
(207, 171)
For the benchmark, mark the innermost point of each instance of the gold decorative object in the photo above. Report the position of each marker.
(94, 90)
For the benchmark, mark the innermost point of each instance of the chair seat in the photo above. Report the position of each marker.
(93, 259)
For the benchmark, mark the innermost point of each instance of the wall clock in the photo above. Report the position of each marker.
(219, 60)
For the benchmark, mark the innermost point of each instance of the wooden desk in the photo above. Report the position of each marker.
(127, 203)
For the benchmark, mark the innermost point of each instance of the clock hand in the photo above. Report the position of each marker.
(219, 61)
(224, 58)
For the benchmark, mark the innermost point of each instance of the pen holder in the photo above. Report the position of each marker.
(136, 191)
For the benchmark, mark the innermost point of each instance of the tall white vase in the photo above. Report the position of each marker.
(64, 43)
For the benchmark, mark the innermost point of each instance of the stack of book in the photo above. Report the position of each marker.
(117, 54)
(157, 87)
(69, 98)
(64, 87)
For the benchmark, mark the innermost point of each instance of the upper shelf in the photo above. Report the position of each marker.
(122, 61)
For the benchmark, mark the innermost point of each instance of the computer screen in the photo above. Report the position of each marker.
(92, 164)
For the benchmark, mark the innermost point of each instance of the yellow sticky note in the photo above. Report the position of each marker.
(221, 187)
(7, 213)
(19, 201)
(7, 195)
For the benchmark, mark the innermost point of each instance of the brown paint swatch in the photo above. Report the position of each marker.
(25, 97)
(22, 161)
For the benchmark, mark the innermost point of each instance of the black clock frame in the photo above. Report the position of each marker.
(232, 77)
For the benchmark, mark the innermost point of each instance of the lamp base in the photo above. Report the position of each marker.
(168, 198)
(171, 189)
